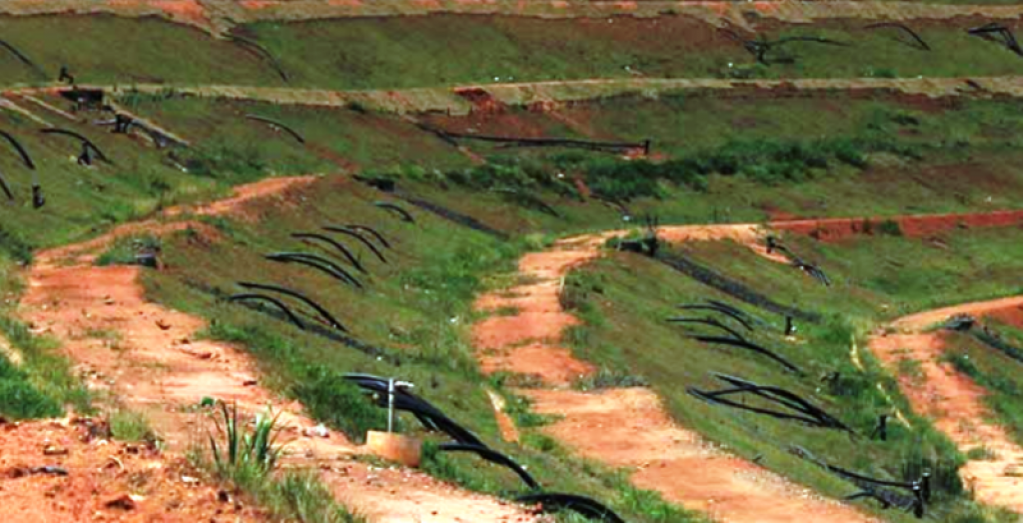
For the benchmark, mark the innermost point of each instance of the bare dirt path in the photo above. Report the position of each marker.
(954, 401)
(148, 357)
(628, 427)
(548, 94)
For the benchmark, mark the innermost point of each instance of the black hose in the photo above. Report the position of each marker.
(23, 58)
(21, 150)
(356, 235)
(708, 321)
(747, 345)
(380, 237)
(392, 207)
(294, 294)
(742, 321)
(334, 243)
(262, 297)
(586, 507)
(494, 457)
(905, 29)
(263, 52)
(277, 124)
(311, 260)
(6, 188)
(84, 140)
(405, 400)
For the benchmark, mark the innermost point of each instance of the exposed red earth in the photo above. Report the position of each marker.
(628, 427)
(954, 401)
(105, 481)
(149, 358)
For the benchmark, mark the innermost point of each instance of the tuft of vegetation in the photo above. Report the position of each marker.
(127, 425)
(607, 379)
(244, 456)
(125, 250)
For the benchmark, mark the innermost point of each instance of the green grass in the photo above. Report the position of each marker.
(994, 370)
(126, 425)
(624, 299)
(110, 49)
(416, 51)
(417, 307)
(245, 459)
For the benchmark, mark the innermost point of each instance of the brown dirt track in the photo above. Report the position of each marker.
(954, 401)
(149, 358)
(629, 427)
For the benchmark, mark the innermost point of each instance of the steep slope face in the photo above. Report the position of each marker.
(148, 357)
(628, 427)
(954, 401)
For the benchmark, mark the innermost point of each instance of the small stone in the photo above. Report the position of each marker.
(54, 450)
(122, 502)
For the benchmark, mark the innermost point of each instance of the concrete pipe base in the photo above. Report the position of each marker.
(395, 447)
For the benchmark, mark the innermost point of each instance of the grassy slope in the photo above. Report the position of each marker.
(417, 307)
(397, 52)
(624, 300)
(101, 49)
(967, 152)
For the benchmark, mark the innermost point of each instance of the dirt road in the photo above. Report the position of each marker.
(149, 358)
(954, 401)
(628, 427)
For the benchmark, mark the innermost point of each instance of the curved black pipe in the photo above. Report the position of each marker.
(586, 507)
(262, 297)
(708, 321)
(431, 416)
(295, 294)
(6, 188)
(317, 262)
(392, 207)
(24, 59)
(747, 345)
(726, 312)
(277, 124)
(380, 237)
(334, 243)
(356, 235)
(494, 457)
(84, 140)
(21, 150)
(264, 52)
(905, 29)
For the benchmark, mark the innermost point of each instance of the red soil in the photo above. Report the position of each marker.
(629, 427)
(106, 481)
(833, 229)
(955, 402)
(149, 357)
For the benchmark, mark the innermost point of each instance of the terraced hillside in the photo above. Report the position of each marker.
(642, 261)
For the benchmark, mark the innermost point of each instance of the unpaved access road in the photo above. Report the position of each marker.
(150, 359)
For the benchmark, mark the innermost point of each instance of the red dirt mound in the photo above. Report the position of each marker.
(104, 481)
